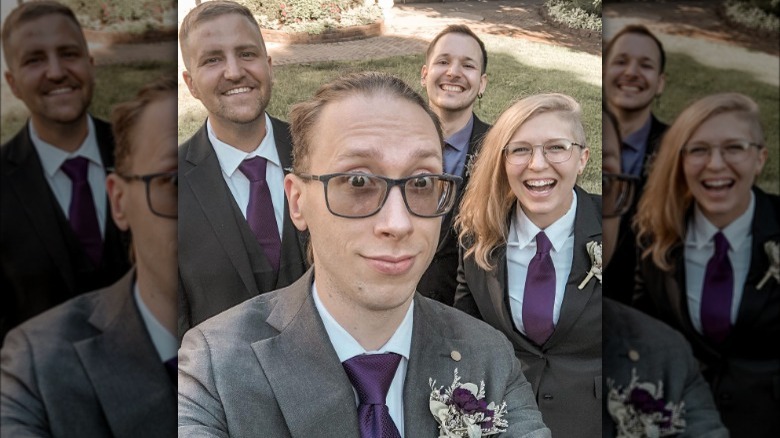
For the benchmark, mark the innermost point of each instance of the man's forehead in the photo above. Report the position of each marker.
(208, 28)
(634, 43)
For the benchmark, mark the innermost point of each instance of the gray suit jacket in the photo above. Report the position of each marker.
(635, 341)
(86, 368)
(220, 262)
(566, 371)
(267, 368)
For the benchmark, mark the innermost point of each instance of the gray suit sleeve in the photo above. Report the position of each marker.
(201, 413)
(22, 411)
(523, 414)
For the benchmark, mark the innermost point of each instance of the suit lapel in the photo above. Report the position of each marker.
(301, 364)
(765, 228)
(124, 368)
(587, 229)
(216, 202)
(28, 183)
(430, 358)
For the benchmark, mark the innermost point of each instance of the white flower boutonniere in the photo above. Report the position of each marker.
(773, 252)
(594, 251)
(639, 410)
(461, 410)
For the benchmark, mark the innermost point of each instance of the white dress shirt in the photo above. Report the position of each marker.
(164, 341)
(347, 347)
(521, 248)
(700, 247)
(52, 159)
(230, 158)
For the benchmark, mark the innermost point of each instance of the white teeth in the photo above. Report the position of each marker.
(60, 91)
(717, 183)
(237, 90)
(451, 88)
(629, 88)
(540, 182)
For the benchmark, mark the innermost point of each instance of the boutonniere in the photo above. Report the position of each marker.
(594, 251)
(639, 410)
(461, 410)
(470, 158)
(773, 252)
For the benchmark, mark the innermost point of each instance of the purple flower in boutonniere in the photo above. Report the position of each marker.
(640, 411)
(594, 251)
(773, 253)
(462, 411)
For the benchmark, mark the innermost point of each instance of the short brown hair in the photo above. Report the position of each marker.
(637, 29)
(124, 117)
(209, 10)
(462, 29)
(304, 115)
(30, 11)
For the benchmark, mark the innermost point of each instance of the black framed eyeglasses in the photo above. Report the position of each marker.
(617, 193)
(161, 192)
(360, 195)
(556, 150)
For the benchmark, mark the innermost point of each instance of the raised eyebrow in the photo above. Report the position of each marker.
(210, 53)
(247, 47)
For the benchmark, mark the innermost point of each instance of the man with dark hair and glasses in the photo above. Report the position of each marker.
(642, 355)
(104, 363)
(350, 350)
(57, 239)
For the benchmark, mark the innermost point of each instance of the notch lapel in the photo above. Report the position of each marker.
(28, 183)
(301, 364)
(126, 372)
(216, 202)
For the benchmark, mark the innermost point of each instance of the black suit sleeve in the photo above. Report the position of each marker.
(464, 300)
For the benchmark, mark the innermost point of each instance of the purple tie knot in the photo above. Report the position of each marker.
(371, 375)
(543, 244)
(76, 169)
(254, 168)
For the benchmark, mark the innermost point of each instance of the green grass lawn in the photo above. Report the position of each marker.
(687, 80)
(514, 71)
(113, 84)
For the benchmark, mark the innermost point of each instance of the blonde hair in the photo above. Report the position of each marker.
(488, 199)
(661, 212)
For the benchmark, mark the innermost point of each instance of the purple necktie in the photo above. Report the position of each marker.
(539, 294)
(371, 375)
(260, 211)
(717, 292)
(82, 213)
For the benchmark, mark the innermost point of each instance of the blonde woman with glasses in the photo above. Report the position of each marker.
(529, 238)
(708, 246)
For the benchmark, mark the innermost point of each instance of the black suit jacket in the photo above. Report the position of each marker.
(87, 368)
(220, 262)
(43, 263)
(439, 280)
(566, 371)
(620, 270)
(744, 371)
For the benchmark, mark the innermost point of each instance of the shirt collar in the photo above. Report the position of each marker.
(347, 347)
(460, 139)
(163, 340)
(638, 139)
(557, 232)
(53, 157)
(737, 232)
(230, 158)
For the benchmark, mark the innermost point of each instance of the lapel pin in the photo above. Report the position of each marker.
(633, 355)
(455, 355)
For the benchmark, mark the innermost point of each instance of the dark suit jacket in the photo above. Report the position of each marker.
(86, 368)
(440, 279)
(220, 262)
(659, 355)
(566, 371)
(744, 371)
(267, 368)
(623, 263)
(43, 263)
